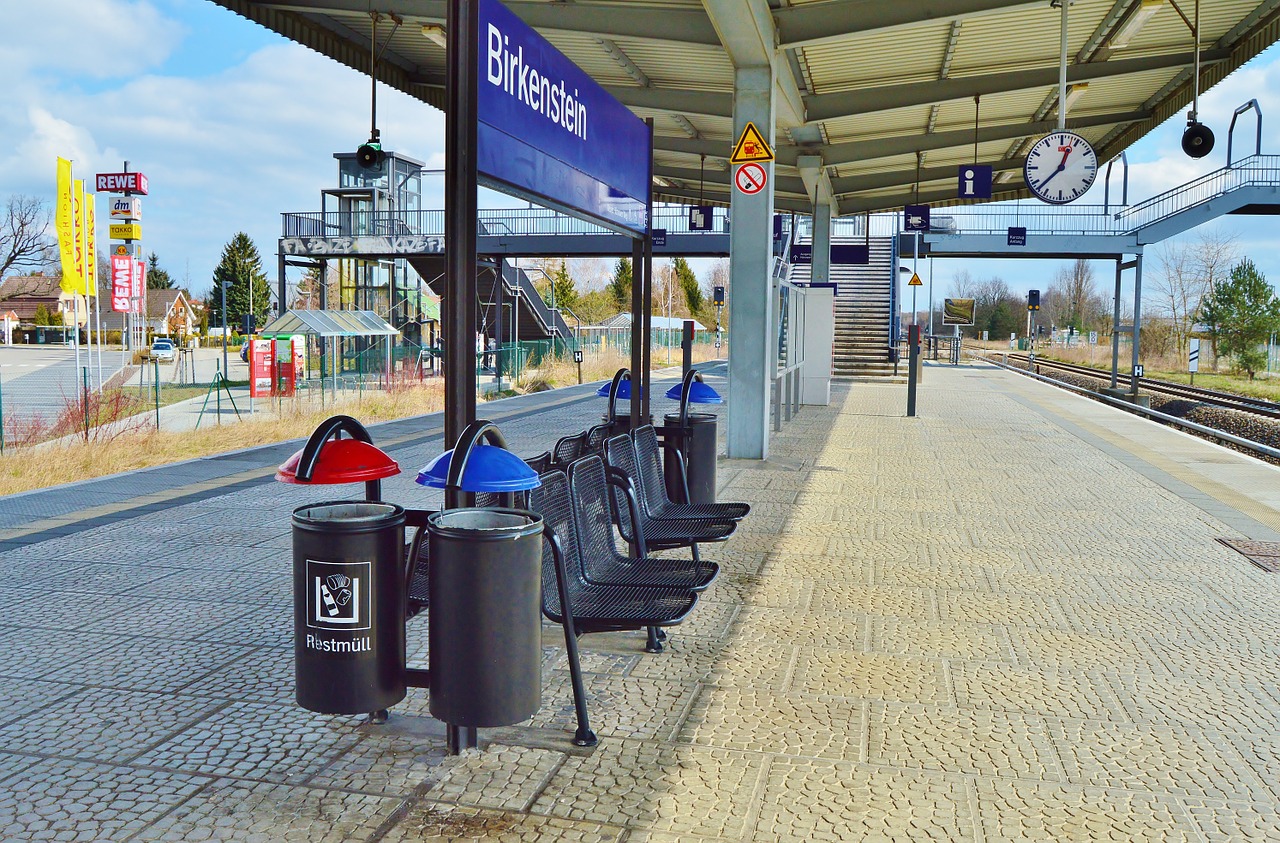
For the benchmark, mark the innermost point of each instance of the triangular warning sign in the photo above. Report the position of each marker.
(915, 281)
(751, 147)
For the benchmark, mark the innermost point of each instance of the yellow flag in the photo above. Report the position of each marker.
(90, 245)
(77, 202)
(66, 225)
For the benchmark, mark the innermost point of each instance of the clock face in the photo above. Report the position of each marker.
(1060, 167)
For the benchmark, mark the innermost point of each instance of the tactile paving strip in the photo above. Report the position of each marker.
(1266, 555)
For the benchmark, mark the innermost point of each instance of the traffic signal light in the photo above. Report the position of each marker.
(1033, 299)
(370, 155)
(248, 323)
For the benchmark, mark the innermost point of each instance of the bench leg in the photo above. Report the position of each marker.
(377, 718)
(654, 644)
(583, 736)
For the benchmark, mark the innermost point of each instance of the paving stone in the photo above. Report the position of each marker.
(1001, 609)
(252, 740)
(1012, 688)
(777, 626)
(57, 799)
(1220, 821)
(1262, 754)
(459, 824)
(651, 709)
(822, 800)
(753, 589)
(869, 676)
(940, 639)
(19, 698)
(151, 664)
(1155, 759)
(222, 586)
(961, 740)
(1017, 810)
(792, 724)
(1199, 703)
(683, 790)
(250, 811)
(104, 725)
(1050, 649)
(263, 674)
(715, 661)
(501, 777)
(903, 602)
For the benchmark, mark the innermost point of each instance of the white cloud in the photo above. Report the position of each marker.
(87, 38)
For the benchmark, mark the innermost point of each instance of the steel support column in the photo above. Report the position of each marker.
(751, 326)
(638, 338)
(1115, 325)
(820, 271)
(1137, 322)
(459, 301)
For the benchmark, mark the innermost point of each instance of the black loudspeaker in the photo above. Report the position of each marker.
(370, 156)
(1197, 140)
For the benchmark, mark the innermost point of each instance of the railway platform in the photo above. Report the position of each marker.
(1008, 618)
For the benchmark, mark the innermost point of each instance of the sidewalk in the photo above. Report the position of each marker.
(1005, 619)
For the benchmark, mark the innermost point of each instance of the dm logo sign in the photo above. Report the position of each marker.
(338, 595)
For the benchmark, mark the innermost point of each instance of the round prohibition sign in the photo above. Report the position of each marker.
(750, 178)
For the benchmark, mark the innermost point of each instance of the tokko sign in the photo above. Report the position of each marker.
(548, 131)
(121, 183)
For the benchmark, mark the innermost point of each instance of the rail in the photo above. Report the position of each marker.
(1254, 171)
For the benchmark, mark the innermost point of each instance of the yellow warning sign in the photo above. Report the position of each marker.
(751, 147)
(915, 281)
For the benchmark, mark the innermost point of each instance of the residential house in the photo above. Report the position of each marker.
(23, 294)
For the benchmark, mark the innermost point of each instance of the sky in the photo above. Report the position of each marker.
(234, 125)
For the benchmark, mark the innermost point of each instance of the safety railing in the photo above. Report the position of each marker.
(1254, 171)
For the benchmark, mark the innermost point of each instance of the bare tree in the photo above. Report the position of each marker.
(25, 244)
(1186, 274)
(1072, 298)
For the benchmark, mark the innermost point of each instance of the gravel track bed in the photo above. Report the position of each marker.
(1236, 422)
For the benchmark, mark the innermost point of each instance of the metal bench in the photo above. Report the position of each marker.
(654, 488)
(595, 607)
(602, 563)
(568, 449)
(596, 437)
(652, 533)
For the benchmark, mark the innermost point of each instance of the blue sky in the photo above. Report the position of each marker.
(233, 125)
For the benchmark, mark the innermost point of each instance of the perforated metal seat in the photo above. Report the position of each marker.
(653, 486)
(568, 449)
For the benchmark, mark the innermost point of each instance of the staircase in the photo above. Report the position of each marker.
(863, 310)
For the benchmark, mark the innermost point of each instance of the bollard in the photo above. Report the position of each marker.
(913, 349)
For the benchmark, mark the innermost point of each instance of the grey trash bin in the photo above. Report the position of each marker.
(698, 445)
(485, 629)
(348, 606)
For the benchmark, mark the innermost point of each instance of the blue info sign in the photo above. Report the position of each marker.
(974, 181)
(548, 131)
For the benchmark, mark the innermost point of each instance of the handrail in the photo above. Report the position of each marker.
(1256, 170)
(1251, 104)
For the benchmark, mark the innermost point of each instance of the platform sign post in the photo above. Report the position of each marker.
(1193, 359)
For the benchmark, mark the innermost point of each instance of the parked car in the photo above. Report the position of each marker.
(162, 349)
(244, 351)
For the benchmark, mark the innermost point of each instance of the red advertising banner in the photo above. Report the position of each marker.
(121, 182)
(122, 283)
(261, 358)
(139, 284)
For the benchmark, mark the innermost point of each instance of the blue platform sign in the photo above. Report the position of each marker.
(802, 253)
(849, 253)
(974, 181)
(1017, 236)
(548, 132)
(659, 236)
(701, 217)
(915, 217)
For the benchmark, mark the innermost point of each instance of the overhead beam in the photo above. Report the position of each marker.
(746, 31)
(786, 184)
(611, 20)
(678, 195)
(885, 97)
(853, 152)
(880, 181)
(813, 23)
(885, 202)
(678, 100)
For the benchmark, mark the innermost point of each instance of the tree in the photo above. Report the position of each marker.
(1241, 313)
(689, 285)
(157, 278)
(563, 291)
(42, 315)
(1072, 299)
(619, 287)
(1188, 272)
(25, 244)
(240, 274)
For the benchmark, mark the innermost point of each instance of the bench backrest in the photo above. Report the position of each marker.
(568, 449)
(589, 488)
(552, 501)
(649, 459)
(620, 453)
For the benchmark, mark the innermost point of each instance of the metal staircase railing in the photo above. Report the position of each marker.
(1254, 171)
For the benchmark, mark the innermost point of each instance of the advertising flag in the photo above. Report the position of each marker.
(77, 203)
(90, 245)
(121, 283)
(65, 219)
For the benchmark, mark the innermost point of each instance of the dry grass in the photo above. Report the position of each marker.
(601, 365)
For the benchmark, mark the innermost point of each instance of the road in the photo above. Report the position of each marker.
(40, 379)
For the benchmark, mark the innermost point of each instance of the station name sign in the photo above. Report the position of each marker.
(548, 131)
(121, 183)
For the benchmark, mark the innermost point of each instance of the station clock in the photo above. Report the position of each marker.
(1060, 168)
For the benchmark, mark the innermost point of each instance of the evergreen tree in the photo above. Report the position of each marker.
(157, 278)
(689, 286)
(240, 274)
(1241, 314)
(563, 292)
(42, 316)
(619, 287)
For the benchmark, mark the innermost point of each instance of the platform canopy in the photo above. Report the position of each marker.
(866, 90)
(329, 323)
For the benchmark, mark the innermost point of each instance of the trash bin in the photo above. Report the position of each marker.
(698, 443)
(485, 633)
(348, 606)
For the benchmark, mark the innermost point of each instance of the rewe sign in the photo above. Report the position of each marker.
(122, 182)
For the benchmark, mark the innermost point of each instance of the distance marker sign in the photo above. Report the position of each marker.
(750, 179)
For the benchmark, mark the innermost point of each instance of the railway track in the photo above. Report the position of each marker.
(1257, 406)
(1246, 425)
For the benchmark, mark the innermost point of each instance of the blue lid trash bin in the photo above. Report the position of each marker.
(691, 437)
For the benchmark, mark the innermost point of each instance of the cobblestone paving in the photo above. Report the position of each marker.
(974, 625)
